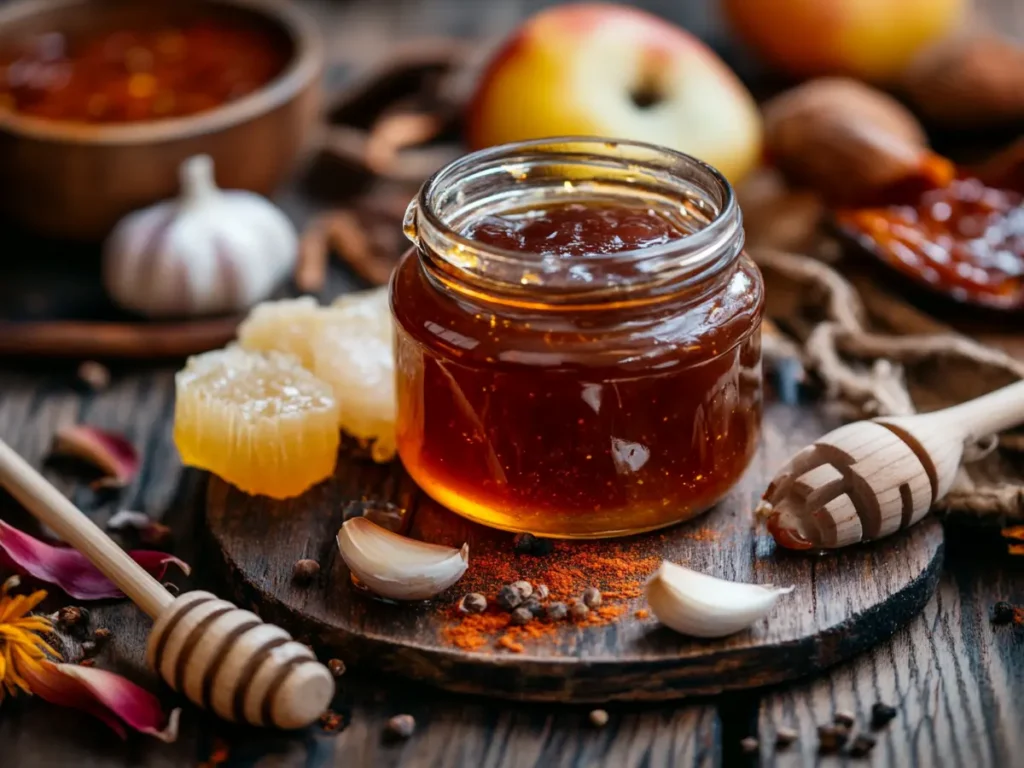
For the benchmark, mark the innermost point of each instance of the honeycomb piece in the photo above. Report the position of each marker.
(353, 350)
(258, 420)
(285, 326)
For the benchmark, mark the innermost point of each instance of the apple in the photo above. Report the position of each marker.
(614, 71)
(870, 39)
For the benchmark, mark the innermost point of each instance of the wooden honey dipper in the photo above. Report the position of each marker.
(869, 479)
(222, 657)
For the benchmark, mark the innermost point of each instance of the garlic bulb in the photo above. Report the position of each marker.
(703, 606)
(396, 566)
(208, 252)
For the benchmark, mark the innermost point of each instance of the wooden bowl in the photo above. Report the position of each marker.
(76, 180)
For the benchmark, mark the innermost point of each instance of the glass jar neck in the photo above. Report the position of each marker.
(588, 171)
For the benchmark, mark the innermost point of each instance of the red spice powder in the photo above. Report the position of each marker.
(567, 571)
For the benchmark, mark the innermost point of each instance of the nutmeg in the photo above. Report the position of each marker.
(848, 142)
(1005, 169)
(968, 82)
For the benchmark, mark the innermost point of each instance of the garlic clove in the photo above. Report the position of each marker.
(397, 567)
(696, 604)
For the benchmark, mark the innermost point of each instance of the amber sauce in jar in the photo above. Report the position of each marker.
(601, 392)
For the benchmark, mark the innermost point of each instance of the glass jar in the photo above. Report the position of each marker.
(551, 382)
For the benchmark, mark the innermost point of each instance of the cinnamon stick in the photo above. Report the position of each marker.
(349, 241)
(395, 132)
(141, 340)
(311, 266)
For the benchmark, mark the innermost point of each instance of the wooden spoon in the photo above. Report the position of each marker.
(222, 657)
(869, 479)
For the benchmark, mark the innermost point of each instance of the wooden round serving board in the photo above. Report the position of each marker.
(843, 603)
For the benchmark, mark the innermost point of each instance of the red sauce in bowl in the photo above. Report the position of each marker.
(134, 75)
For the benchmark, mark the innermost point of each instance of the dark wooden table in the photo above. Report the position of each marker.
(957, 680)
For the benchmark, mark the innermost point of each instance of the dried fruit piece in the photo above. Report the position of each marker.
(109, 451)
(354, 353)
(283, 326)
(258, 420)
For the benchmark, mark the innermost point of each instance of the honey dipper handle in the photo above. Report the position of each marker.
(988, 414)
(49, 506)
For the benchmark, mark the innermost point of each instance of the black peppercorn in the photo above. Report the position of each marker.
(784, 737)
(579, 611)
(383, 513)
(862, 745)
(881, 714)
(305, 571)
(524, 588)
(401, 726)
(71, 616)
(528, 544)
(534, 606)
(598, 718)
(557, 611)
(521, 616)
(845, 719)
(509, 597)
(474, 602)
(337, 667)
(831, 738)
(592, 597)
(1002, 613)
(541, 592)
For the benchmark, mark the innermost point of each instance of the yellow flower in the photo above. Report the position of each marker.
(21, 644)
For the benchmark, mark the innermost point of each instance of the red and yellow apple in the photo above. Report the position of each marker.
(609, 70)
(871, 39)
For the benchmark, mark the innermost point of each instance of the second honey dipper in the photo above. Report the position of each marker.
(221, 657)
(869, 479)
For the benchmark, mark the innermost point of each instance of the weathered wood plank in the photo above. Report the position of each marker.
(954, 677)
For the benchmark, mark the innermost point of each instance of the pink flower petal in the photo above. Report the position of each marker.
(111, 698)
(110, 452)
(68, 569)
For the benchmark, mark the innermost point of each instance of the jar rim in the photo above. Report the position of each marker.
(697, 255)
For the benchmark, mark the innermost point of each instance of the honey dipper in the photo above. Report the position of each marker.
(219, 656)
(869, 479)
